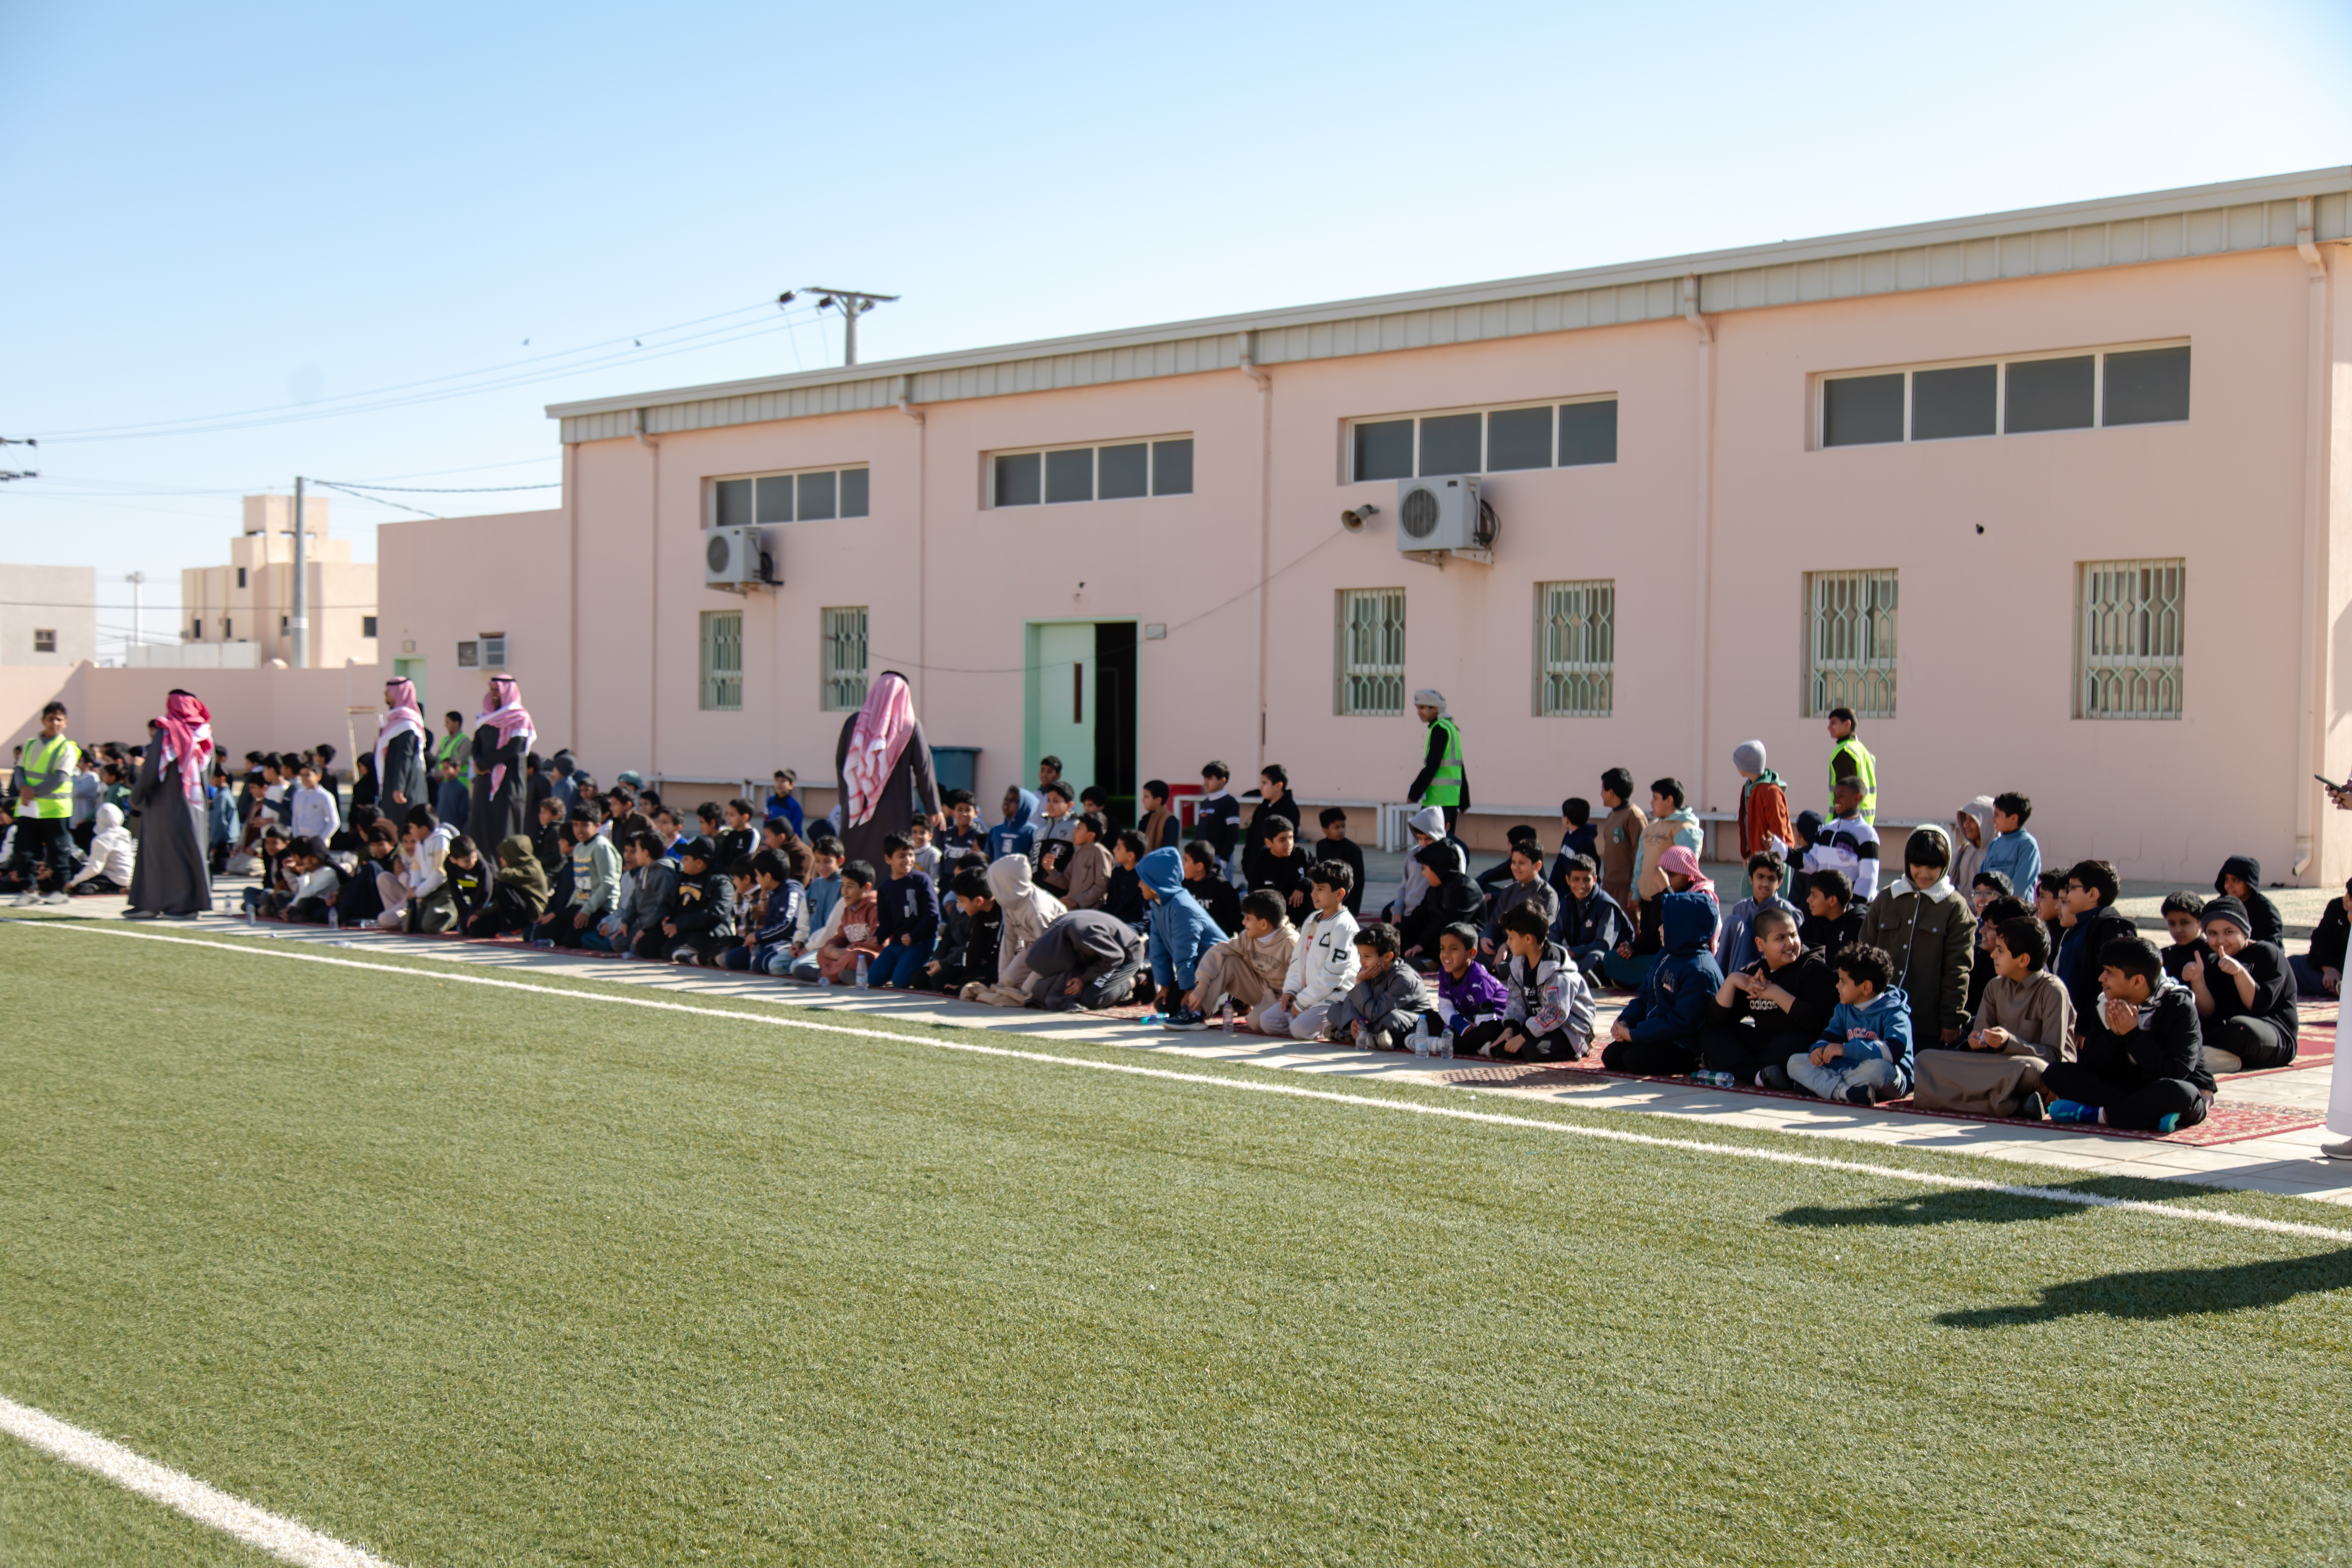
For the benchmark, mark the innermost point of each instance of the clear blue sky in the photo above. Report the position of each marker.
(244, 207)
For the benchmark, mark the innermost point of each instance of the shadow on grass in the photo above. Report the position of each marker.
(2172, 1292)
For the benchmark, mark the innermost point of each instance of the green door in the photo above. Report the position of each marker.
(413, 671)
(1061, 717)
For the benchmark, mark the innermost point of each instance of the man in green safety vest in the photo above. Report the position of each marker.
(1441, 783)
(453, 747)
(1849, 758)
(44, 809)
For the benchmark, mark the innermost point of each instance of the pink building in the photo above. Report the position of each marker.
(2050, 497)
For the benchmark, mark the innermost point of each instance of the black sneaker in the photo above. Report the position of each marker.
(2034, 1108)
(1860, 1096)
(1187, 1018)
(1773, 1076)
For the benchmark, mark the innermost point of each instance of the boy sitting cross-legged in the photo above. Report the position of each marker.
(1323, 964)
(1657, 1033)
(2025, 1023)
(2142, 1063)
(1468, 992)
(1248, 969)
(1767, 1011)
(1379, 1010)
(1590, 925)
(1550, 1015)
(1864, 1053)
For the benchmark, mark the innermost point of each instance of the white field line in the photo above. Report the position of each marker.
(282, 1537)
(1261, 1086)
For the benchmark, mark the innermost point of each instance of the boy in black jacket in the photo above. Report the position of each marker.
(2242, 878)
(1125, 897)
(1832, 923)
(1205, 880)
(910, 919)
(1335, 844)
(1763, 1015)
(2320, 972)
(969, 927)
(2142, 1062)
(703, 924)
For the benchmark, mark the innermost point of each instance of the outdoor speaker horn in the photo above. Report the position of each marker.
(1354, 517)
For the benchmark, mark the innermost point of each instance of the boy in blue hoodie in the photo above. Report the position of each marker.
(1865, 1054)
(1657, 1033)
(1179, 934)
(1017, 833)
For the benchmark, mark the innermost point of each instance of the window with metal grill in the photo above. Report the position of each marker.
(841, 657)
(1850, 643)
(722, 660)
(1576, 638)
(1371, 651)
(2127, 644)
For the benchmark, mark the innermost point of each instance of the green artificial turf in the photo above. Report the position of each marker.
(481, 1276)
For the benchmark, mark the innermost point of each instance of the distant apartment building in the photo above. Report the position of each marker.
(49, 615)
(251, 599)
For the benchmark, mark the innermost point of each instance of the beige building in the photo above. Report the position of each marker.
(49, 615)
(251, 599)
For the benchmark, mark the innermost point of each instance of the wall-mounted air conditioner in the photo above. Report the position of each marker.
(488, 650)
(738, 558)
(1444, 516)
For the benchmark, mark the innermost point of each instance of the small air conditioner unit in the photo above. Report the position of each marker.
(736, 557)
(494, 650)
(1442, 516)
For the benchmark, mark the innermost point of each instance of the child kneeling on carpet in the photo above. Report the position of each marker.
(1468, 992)
(2025, 1023)
(1865, 1054)
(2142, 1063)
(1388, 999)
(1658, 1031)
(1550, 1015)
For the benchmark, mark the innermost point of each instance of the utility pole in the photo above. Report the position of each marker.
(851, 304)
(135, 579)
(299, 623)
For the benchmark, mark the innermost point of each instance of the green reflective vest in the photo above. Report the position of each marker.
(1857, 761)
(47, 770)
(1445, 784)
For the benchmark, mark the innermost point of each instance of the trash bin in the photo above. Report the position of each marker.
(955, 767)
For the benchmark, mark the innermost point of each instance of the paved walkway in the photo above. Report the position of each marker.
(2286, 1163)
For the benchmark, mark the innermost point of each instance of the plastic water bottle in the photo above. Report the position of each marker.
(1420, 1039)
(334, 920)
(1444, 1051)
(861, 971)
(1225, 1014)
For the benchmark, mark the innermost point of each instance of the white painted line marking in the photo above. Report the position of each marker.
(281, 1537)
(1253, 1086)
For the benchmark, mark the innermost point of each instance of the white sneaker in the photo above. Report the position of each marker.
(2340, 1150)
(26, 901)
(2218, 1060)
(54, 898)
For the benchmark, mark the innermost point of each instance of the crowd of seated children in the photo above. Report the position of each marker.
(2245, 992)
(2025, 1022)
(2319, 971)
(1387, 999)
(1547, 1015)
(908, 924)
(1468, 992)
(1927, 929)
(1246, 972)
(1591, 924)
(1524, 887)
(1767, 1010)
(1322, 960)
(2242, 878)
(1864, 1053)
(303, 888)
(2140, 1065)
(1658, 1032)
(1735, 945)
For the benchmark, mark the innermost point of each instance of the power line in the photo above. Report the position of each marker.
(439, 490)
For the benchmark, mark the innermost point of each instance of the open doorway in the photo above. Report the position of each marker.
(1080, 707)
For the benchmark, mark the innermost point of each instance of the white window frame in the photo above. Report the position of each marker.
(834, 632)
(1150, 444)
(711, 482)
(1595, 674)
(2097, 354)
(1352, 679)
(2147, 675)
(1484, 411)
(1865, 682)
(722, 688)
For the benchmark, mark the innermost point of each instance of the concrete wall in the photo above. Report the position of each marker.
(261, 710)
(446, 580)
(60, 599)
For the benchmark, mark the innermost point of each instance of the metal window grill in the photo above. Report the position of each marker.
(1372, 650)
(2128, 647)
(722, 658)
(1850, 643)
(844, 658)
(1579, 635)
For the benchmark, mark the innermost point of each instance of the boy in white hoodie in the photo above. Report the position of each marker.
(112, 854)
(1323, 966)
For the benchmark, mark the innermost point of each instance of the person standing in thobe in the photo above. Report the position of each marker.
(883, 764)
(502, 738)
(400, 744)
(171, 875)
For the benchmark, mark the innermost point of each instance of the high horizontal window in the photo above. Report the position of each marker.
(813, 495)
(1118, 470)
(1487, 441)
(2127, 644)
(2085, 391)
